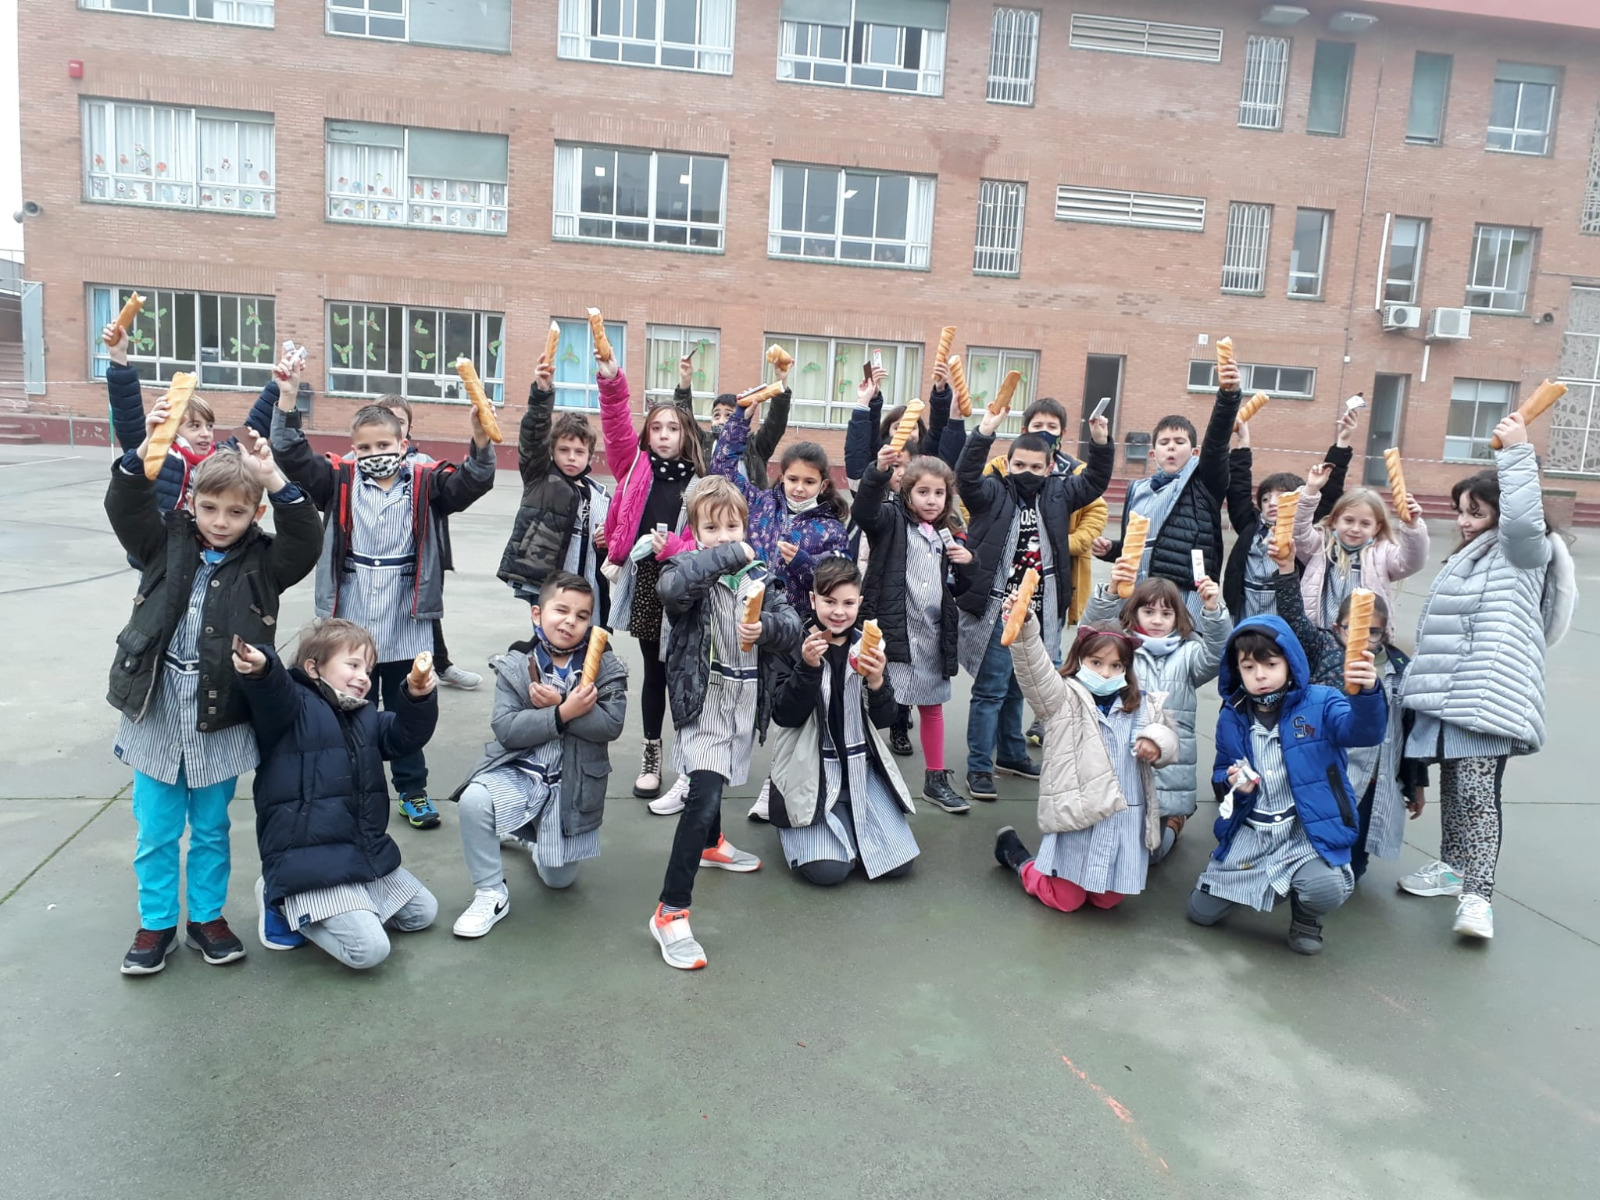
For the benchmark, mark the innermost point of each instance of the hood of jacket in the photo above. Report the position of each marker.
(1278, 630)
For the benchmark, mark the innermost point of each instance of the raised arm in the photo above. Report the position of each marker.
(1242, 509)
(310, 472)
(731, 443)
(1522, 525)
(616, 425)
(1213, 468)
(1338, 457)
(1205, 655)
(533, 434)
(407, 726)
(871, 510)
(774, 424)
(1037, 676)
(460, 487)
(273, 699)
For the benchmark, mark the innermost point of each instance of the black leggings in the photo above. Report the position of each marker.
(699, 828)
(653, 692)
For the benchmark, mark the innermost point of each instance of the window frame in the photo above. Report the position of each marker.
(1257, 83)
(367, 14)
(1324, 238)
(703, 397)
(247, 206)
(148, 324)
(1136, 36)
(1233, 250)
(438, 371)
(1000, 192)
(1515, 131)
(1132, 210)
(1477, 401)
(904, 379)
(1348, 49)
(588, 388)
(107, 6)
(1496, 289)
(1253, 377)
(915, 249)
(1415, 289)
(567, 223)
(1589, 215)
(576, 38)
(1437, 139)
(856, 57)
(1006, 359)
(1010, 46)
(408, 202)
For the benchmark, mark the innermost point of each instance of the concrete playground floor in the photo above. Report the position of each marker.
(940, 1036)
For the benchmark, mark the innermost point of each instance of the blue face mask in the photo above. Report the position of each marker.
(1099, 685)
(1053, 438)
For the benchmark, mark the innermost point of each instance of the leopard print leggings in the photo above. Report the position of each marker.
(1469, 820)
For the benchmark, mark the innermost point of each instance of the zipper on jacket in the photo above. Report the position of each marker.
(1336, 782)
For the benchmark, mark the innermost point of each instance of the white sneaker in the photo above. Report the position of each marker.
(759, 811)
(1474, 918)
(674, 800)
(488, 908)
(678, 947)
(1438, 878)
(459, 677)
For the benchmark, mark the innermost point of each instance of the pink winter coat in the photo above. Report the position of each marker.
(629, 465)
(1382, 563)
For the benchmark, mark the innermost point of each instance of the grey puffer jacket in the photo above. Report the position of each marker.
(1482, 635)
(1177, 677)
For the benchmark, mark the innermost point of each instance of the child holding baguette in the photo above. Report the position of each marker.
(543, 777)
(1355, 545)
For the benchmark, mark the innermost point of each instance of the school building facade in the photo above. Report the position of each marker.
(1395, 199)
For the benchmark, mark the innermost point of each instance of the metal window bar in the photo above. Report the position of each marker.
(1146, 210)
(1244, 258)
(998, 250)
(1013, 56)
(1589, 221)
(1153, 39)
(1266, 71)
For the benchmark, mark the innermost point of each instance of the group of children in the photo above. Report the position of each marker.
(751, 601)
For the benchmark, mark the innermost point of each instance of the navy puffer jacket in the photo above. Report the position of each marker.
(322, 802)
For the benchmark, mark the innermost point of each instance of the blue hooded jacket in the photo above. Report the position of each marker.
(1316, 725)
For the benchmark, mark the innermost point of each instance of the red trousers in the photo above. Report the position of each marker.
(1063, 894)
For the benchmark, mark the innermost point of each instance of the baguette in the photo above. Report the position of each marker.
(1224, 352)
(1020, 606)
(1008, 388)
(757, 395)
(1397, 484)
(871, 635)
(421, 668)
(597, 326)
(551, 342)
(1133, 548)
(958, 380)
(947, 339)
(752, 613)
(906, 426)
(1359, 629)
(1542, 401)
(780, 358)
(125, 318)
(178, 394)
(1250, 408)
(591, 660)
(480, 401)
(1283, 530)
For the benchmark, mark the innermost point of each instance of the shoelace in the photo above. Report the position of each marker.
(147, 939)
(216, 930)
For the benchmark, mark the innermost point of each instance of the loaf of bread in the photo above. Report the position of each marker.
(906, 426)
(551, 342)
(1133, 548)
(421, 668)
(479, 398)
(125, 318)
(958, 381)
(597, 327)
(1008, 388)
(947, 339)
(752, 613)
(179, 392)
(1397, 484)
(871, 636)
(757, 395)
(1224, 352)
(591, 661)
(1544, 398)
(1250, 408)
(1020, 606)
(1359, 628)
(780, 358)
(1283, 530)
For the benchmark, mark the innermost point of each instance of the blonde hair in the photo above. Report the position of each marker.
(715, 494)
(325, 638)
(1332, 546)
(199, 407)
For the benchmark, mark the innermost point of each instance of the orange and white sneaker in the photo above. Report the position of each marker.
(678, 947)
(729, 857)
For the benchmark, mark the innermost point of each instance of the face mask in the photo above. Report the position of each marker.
(1270, 699)
(378, 466)
(1028, 485)
(1099, 685)
(799, 506)
(343, 701)
(1161, 646)
(1053, 438)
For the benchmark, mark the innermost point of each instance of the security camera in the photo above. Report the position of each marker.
(28, 209)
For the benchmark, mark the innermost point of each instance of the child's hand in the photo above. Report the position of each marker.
(1241, 435)
(1316, 478)
(1416, 802)
(991, 422)
(749, 633)
(941, 375)
(258, 460)
(1210, 593)
(1124, 572)
(787, 550)
(152, 420)
(580, 700)
(749, 551)
(1100, 547)
(958, 553)
(247, 660)
(658, 543)
(544, 374)
(428, 685)
(1512, 431)
(888, 458)
(1344, 429)
(1363, 674)
(606, 368)
(542, 695)
(117, 346)
(1099, 431)
(287, 373)
(1145, 750)
(480, 436)
(813, 648)
(1228, 378)
(868, 388)
(1244, 788)
(873, 663)
(686, 370)
(1286, 560)
(1413, 510)
(600, 537)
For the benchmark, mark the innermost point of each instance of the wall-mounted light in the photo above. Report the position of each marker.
(1283, 14)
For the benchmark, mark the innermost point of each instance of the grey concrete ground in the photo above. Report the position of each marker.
(942, 1036)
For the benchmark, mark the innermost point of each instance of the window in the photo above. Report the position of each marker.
(1013, 55)
(178, 157)
(575, 384)
(684, 35)
(1430, 87)
(664, 346)
(1309, 253)
(1522, 111)
(1476, 407)
(1154, 39)
(857, 217)
(1144, 210)
(1403, 276)
(379, 348)
(230, 12)
(463, 24)
(985, 369)
(1330, 88)
(1575, 421)
(895, 45)
(1589, 222)
(640, 197)
(1290, 383)
(827, 370)
(998, 247)
(1244, 257)
(1502, 260)
(227, 340)
(1266, 71)
(430, 178)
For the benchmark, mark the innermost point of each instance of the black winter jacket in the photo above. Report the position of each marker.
(543, 527)
(886, 523)
(1195, 521)
(1245, 517)
(764, 438)
(685, 580)
(322, 802)
(991, 500)
(242, 598)
(863, 436)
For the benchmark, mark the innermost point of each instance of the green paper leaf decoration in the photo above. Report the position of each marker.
(343, 352)
(341, 322)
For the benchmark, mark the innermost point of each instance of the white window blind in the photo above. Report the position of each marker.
(1153, 39)
(178, 157)
(1522, 108)
(997, 249)
(225, 12)
(1244, 258)
(1013, 55)
(1266, 71)
(863, 218)
(1147, 210)
(682, 35)
(430, 178)
(1589, 222)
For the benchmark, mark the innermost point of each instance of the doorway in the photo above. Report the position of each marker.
(1102, 379)
(1383, 428)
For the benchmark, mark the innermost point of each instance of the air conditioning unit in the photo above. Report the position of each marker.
(1402, 316)
(1450, 325)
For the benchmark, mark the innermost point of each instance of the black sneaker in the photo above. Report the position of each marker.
(980, 786)
(1305, 935)
(1026, 769)
(900, 742)
(149, 951)
(1009, 851)
(215, 941)
(936, 790)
